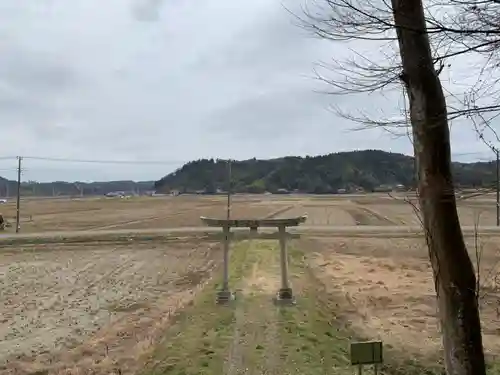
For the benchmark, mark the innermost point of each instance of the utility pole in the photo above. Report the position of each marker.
(18, 203)
(225, 294)
(79, 187)
(498, 187)
(228, 189)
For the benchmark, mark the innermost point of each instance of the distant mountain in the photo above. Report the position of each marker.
(61, 188)
(369, 170)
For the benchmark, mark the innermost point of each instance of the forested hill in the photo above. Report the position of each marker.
(369, 169)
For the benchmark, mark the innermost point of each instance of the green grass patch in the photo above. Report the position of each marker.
(493, 368)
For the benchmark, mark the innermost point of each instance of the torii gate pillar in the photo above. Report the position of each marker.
(285, 293)
(225, 295)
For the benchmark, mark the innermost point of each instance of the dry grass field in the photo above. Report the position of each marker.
(92, 307)
(134, 213)
(379, 210)
(96, 307)
(385, 290)
(42, 215)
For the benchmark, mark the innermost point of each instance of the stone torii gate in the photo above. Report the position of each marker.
(285, 293)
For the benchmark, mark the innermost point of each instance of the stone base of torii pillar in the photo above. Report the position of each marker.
(224, 297)
(285, 297)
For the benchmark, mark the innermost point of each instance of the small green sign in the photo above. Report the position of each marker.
(366, 353)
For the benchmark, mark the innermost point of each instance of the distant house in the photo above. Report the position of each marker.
(158, 195)
(399, 187)
(389, 188)
(383, 189)
(282, 191)
(113, 194)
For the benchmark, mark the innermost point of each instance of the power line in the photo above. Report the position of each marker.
(468, 153)
(70, 160)
(164, 162)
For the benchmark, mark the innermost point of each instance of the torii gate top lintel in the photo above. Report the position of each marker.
(254, 223)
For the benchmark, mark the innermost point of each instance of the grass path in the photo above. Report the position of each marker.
(253, 336)
(255, 344)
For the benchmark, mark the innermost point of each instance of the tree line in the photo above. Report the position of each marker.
(368, 170)
(8, 188)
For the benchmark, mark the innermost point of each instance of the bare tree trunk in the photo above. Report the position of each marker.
(453, 271)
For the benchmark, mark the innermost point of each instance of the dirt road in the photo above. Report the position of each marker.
(332, 231)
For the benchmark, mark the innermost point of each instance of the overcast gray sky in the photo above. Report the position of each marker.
(171, 81)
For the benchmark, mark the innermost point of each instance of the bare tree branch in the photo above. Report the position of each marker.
(456, 28)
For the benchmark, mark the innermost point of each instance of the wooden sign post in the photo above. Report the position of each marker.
(367, 353)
